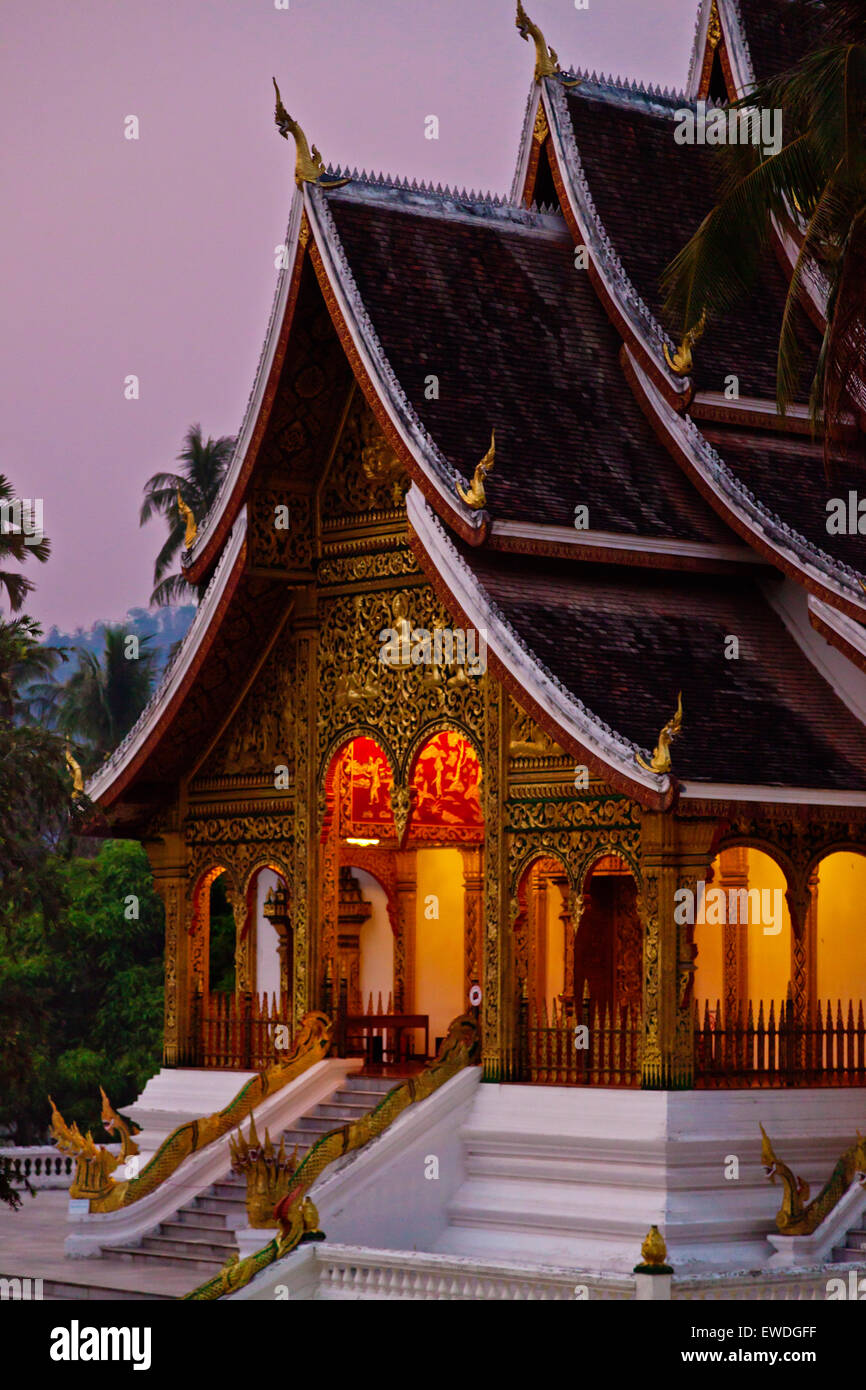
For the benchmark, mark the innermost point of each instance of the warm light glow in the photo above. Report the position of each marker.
(364, 843)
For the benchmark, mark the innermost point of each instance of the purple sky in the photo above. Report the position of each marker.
(156, 257)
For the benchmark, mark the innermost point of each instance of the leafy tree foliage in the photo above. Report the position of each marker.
(203, 466)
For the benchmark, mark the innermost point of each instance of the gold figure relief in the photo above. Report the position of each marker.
(714, 27)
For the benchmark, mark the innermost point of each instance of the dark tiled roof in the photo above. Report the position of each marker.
(787, 475)
(625, 646)
(519, 341)
(651, 195)
(777, 34)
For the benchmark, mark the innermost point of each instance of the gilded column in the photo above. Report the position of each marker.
(305, 847)
(498, 1022)
(404, 946)
(675, 854)
(167, 861)
(473, 917)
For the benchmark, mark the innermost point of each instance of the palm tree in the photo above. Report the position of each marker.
(25, 666)
(13, 546)
(103, 698)
(819, 177)
(203, 466)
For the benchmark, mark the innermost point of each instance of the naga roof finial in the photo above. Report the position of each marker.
(309, 165)
(191, 523)
(77, 775)
(546, 59)
(661, 758)
(474, 496)
(681, 361)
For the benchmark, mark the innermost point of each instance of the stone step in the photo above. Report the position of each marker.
(135, 1254)
(847, 1254)
(218, 1206)
(56, 1290)
(856, 1240)
(192, 1219)
(178, 1230)
(220, 1250)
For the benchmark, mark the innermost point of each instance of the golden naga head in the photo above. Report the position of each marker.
(546, 59)
(191, 524)
(661, 759)
(681, 361)
(309, 165)
(474, 496)
(768, 1157)
(77, 775)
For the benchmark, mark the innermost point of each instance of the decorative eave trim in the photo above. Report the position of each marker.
(534, 538)
(796, 609)
(132, 752)
(625, 308)
(842, 632)
(785, 548)
(779, 796)
(750, 411)
(416, 449)
(560, 713)
(220, 519)
(528, 147)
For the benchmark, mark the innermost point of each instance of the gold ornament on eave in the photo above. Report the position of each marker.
(77, 774)
(191, 525)
(474, 496)
(661, 758)
(681, 361)
(309, 165)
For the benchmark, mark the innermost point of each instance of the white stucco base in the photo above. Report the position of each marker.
(570, 1176)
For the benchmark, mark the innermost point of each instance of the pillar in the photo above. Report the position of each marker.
(675, 855)
(473, 916)
(167, 858)
(734, 874)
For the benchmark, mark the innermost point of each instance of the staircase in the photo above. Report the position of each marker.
(200, 1236)
(854, 1249)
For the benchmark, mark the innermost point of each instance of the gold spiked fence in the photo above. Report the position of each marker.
(756, 1044)
(587, 1044)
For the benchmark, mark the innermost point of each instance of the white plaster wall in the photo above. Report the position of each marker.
(377, 944)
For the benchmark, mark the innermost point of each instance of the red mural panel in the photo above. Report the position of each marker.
(369, 784)
(447, 785)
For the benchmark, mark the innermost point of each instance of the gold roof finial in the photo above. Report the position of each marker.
(309, 165)
(680, 362)
(191, 524)
(714, 27)
(546, 60)
(77, 774)
(474, 496)
(661, 758)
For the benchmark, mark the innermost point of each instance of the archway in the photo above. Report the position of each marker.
(401, 882)
(608, 948)
(835, 935)
(743, 937)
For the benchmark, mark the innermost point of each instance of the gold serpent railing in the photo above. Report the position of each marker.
(94, 1164)
(296, 1214)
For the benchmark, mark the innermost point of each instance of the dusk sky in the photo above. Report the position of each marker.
(156, 256)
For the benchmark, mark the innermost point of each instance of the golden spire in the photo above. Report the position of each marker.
(661, 758)
(77, 774)
(309, 165)
(681, 361)
(191, 525)
(474, 496)
(714, 27)
(546, 60)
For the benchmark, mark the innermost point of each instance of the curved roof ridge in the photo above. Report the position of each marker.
(178, 659)
(380, 180)
(446, 475)
(606, 742)
(606, 83)
(837, 576)
(254, 400)
(604, 252)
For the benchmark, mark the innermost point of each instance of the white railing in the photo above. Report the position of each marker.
(42, 1165)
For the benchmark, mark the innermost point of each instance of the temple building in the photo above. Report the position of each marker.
(528, 684)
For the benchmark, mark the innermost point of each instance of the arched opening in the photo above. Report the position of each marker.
(608, 963)
(838, 891)
(401, 891)
(742, 935)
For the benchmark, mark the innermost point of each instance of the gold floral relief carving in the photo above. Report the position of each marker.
(365, 475)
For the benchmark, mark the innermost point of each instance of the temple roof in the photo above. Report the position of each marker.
(489, 301)
(593, 631)
(622, 137)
